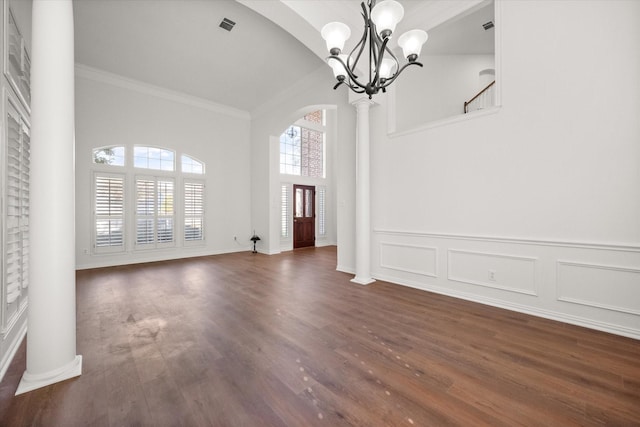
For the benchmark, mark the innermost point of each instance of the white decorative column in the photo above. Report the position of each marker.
(363, 199)
(51, 326)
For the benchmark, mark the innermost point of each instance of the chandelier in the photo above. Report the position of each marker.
(380, 21)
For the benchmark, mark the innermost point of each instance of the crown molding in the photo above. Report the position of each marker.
(95, 74)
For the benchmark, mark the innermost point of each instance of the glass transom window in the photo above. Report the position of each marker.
(191, 165)
(153, 158)
(302, 152)
(113, 156)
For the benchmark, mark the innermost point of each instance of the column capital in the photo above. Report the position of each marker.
(356, 99)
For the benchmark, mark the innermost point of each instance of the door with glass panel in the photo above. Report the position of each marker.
(304, 216)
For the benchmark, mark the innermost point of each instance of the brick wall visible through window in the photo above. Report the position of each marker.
(302, 152)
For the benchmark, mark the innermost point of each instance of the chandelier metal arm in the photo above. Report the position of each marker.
(382, 60)
(352, 77)
(383, 47)
(395, 76)
(360, 45)
(356, 89)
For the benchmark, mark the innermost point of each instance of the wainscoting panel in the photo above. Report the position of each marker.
(591, 284)
(602, 286)
(507, 272)
(414, 259)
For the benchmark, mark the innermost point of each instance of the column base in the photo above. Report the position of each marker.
(363, 280)
(31, 382)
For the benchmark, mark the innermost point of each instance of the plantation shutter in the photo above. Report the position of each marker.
(322, 230)
(25, 200)
(154, 212)
(145, 211)
(13, 232)
(193, 211)
(16, 188)
(165, 212)
(109, 213)
(284, 210)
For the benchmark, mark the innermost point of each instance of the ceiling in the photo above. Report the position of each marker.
(178, 45)
(463, 35)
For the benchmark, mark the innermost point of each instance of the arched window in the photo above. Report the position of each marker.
(153, 158)
(161, 200)
(113, 156)
(191, 165)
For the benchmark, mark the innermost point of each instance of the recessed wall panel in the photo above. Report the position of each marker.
(508, 272)
(409, 258)
(610, 287)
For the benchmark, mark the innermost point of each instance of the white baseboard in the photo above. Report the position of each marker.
(12, 350)
(101, 261)
(546, 314)
(31, 382)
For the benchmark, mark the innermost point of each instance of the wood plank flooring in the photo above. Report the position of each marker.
(253, 340)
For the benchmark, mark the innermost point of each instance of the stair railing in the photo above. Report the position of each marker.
(480, 98)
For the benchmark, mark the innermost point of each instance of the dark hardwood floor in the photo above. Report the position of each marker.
(253, 340)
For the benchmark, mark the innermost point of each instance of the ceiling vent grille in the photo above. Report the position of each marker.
(488, 25)
(227, 24)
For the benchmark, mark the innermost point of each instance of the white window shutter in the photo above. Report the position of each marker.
(16, 215)
(193, 211)
(109, 213)
(145, 211)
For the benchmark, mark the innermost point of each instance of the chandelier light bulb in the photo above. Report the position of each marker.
(335, 34)
(380, 20)
(387, 68)
(411, 43)
(386, 16)
(338, 69)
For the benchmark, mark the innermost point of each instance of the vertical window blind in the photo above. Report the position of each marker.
(158, 205)
(154, 211)
(285, 202)
(193, 211)
(109, 213)
(322, 230)
(16, 183)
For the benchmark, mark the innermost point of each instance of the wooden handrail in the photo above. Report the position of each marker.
(479, 93)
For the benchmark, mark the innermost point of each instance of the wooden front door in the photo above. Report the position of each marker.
(304, 216)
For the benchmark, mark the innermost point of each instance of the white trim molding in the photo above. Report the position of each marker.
(423, 272)
(516, 240)
(90, 73)
(520, 308)
(489, 264)
(622, 286)
(601, 290)
(32, 382)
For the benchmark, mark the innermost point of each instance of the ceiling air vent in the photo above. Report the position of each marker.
(487, 26)
(227, 24)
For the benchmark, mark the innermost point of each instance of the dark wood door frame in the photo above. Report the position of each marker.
(304, 216)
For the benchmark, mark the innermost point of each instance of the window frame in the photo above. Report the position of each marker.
(286, 212)
(162, 149)
(194, 160)
(303, 124)
(110, 249)
(184, 217)
(109, 165)
(155, 217)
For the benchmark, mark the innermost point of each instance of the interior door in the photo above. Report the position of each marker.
(304, 216)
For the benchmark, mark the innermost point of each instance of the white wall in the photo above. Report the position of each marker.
(544, 192)
(111, 110)
(440, 88)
